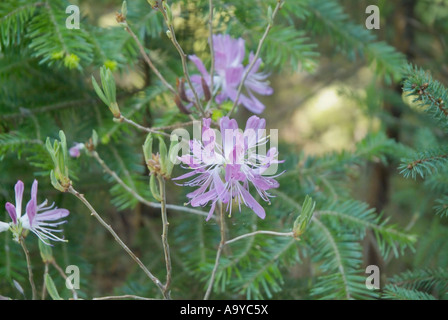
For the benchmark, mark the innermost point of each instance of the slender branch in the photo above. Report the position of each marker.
(222, 244)
(127, 296)
(44, 287)
(337, 255)
(165, 224)
(212, 51)
(138, 196)
(30, 269)
(117, 238)
(183, 57)
(257, 54)
(175, 126)
(251, 234)
(147, 59)
(140, 127)
(64, 276)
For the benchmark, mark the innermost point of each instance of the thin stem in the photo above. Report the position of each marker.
(222, 244)
(165, 224)
(30, 269)
(140, 127)
(138, 196)
(251, 234)
(257, 54)
(148, 60)
(117, 238)
(64, 276)
(127, 296)
(175, 126)
(44, 287)
(212, 50)
(183, 57)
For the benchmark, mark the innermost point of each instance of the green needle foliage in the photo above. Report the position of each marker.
(64, 83)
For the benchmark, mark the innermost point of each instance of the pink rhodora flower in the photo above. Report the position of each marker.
(37, 218)
(225, 168)
(229, 72)
(75, 151)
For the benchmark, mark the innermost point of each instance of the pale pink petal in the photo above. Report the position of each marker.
(252, 203)
(19, 187)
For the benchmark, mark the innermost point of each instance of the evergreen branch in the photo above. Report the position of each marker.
(289, 47)
(14, 17)
(329, 16)
(358, 215)
(428, 93)
(424, 163)
(442, 206)
(422, 279)
(337, 255)
(53, 43)
(396, 293)
(269, 270)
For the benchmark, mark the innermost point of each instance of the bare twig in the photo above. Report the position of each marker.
(117, 238)
(222, 244)
(212, 52)
(257, 54)
(127, 296)
(138, 196)
(165, 224)
(140, 127)
(44, 287)
(64, 276)
(251, 234)
(30, 269)
(197, 102)
(147, 59)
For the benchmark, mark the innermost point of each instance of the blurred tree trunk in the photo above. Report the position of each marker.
(380, 174)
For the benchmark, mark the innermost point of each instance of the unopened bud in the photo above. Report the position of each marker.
(180, 105)
(206, 89)
(169, 35)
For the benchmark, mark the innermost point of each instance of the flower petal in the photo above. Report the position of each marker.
(19, 187)
(252, 203)
(12, 211)
(52, 215)
(201, 67)
(31, 210)
(4, 226)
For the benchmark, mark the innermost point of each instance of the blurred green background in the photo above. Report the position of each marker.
(334, 83)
